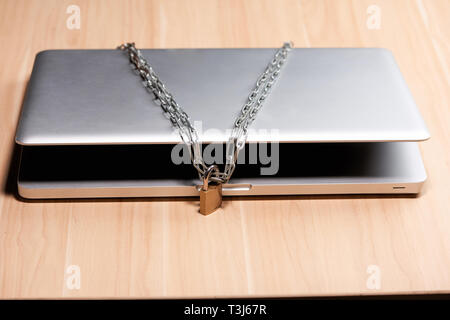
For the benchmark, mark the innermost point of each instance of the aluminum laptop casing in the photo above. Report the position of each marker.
(323, 95)
(79, 99)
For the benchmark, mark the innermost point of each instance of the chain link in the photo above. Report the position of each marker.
(180, 119)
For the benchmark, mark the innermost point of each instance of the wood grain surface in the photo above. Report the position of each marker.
(265, 247)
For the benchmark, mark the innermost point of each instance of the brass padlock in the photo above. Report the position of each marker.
(211, 193)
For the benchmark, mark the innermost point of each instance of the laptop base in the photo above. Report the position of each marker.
(117, 171)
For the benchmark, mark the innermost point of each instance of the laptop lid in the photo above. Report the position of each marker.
(323, 95)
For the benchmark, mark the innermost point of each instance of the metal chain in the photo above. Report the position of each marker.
(180, 120)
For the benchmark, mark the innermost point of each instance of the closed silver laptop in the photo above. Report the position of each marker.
(340, 120)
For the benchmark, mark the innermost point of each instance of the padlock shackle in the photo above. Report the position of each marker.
(212, 168)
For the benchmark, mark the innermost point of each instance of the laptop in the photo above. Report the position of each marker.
(337, 121)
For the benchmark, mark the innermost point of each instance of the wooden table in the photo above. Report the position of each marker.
(276, 246)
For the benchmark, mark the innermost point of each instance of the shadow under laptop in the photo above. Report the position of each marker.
(10, 183)
(10, 186)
